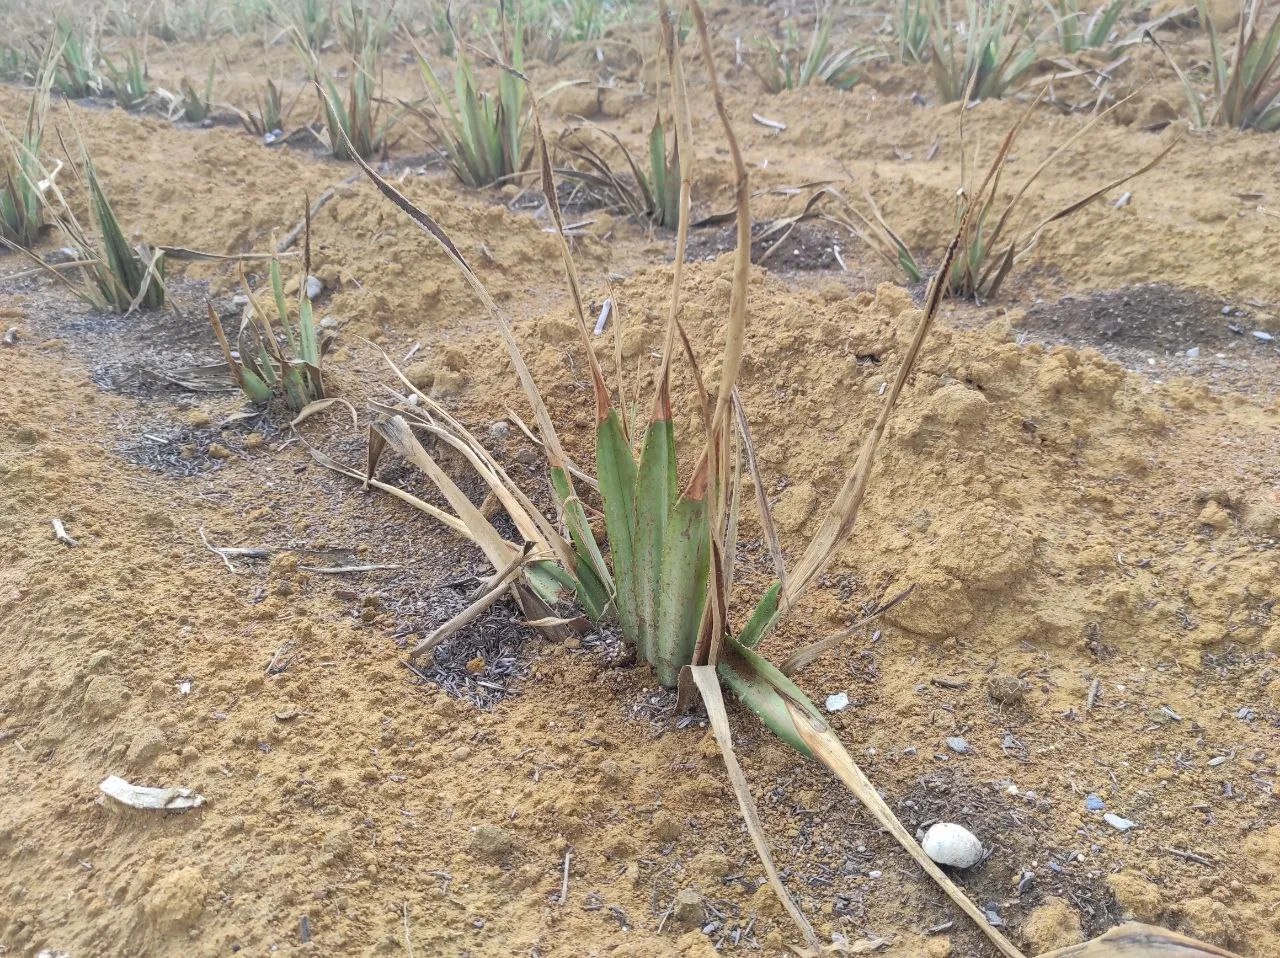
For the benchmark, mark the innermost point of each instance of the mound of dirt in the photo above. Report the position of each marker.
(1032, 495)
(1061, 521)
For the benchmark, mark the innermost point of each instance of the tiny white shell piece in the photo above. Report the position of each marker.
(142, 796)
(949, 844)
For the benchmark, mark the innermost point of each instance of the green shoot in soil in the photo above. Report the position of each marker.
(1077, 31)
(649, 192)
(309, 21)
(262, 366)
(197, 106)
(108, 273)
(990, 244)
(22, 203)
(481, 134)
(77, 74)
(984, 56)
(270, 115)
(126, 277)
(788, 66)
(671, 544)
(1247, 84)
(356, 123)
(129, 83)
(911, 26)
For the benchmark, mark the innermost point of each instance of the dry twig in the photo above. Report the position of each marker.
(225, 554)
(339, 569)
(564, 882)
(292, 236)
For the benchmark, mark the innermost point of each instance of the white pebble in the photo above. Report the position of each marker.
(838, 702)
(953, 845)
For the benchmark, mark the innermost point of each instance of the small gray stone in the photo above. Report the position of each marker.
(958, 745)
(611, 771)
(1263, 336)
(667, 827)
(314, 287)
(1005, 689)
(328, 323)
(688, 908)
(500, 429)
(100, 661)
(1160, 717)
(494, 843)
(1116, 822)
(1193, 352)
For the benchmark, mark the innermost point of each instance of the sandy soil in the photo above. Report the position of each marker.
(1089, 517)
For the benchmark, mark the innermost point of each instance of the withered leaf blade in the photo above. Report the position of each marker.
(320, 405)
(704, 676)
(828, 750)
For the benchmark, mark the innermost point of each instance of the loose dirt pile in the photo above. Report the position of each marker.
(1061, 522)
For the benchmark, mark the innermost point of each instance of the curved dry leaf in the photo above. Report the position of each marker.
(704, 676)
(320, 405)
(454, 523)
